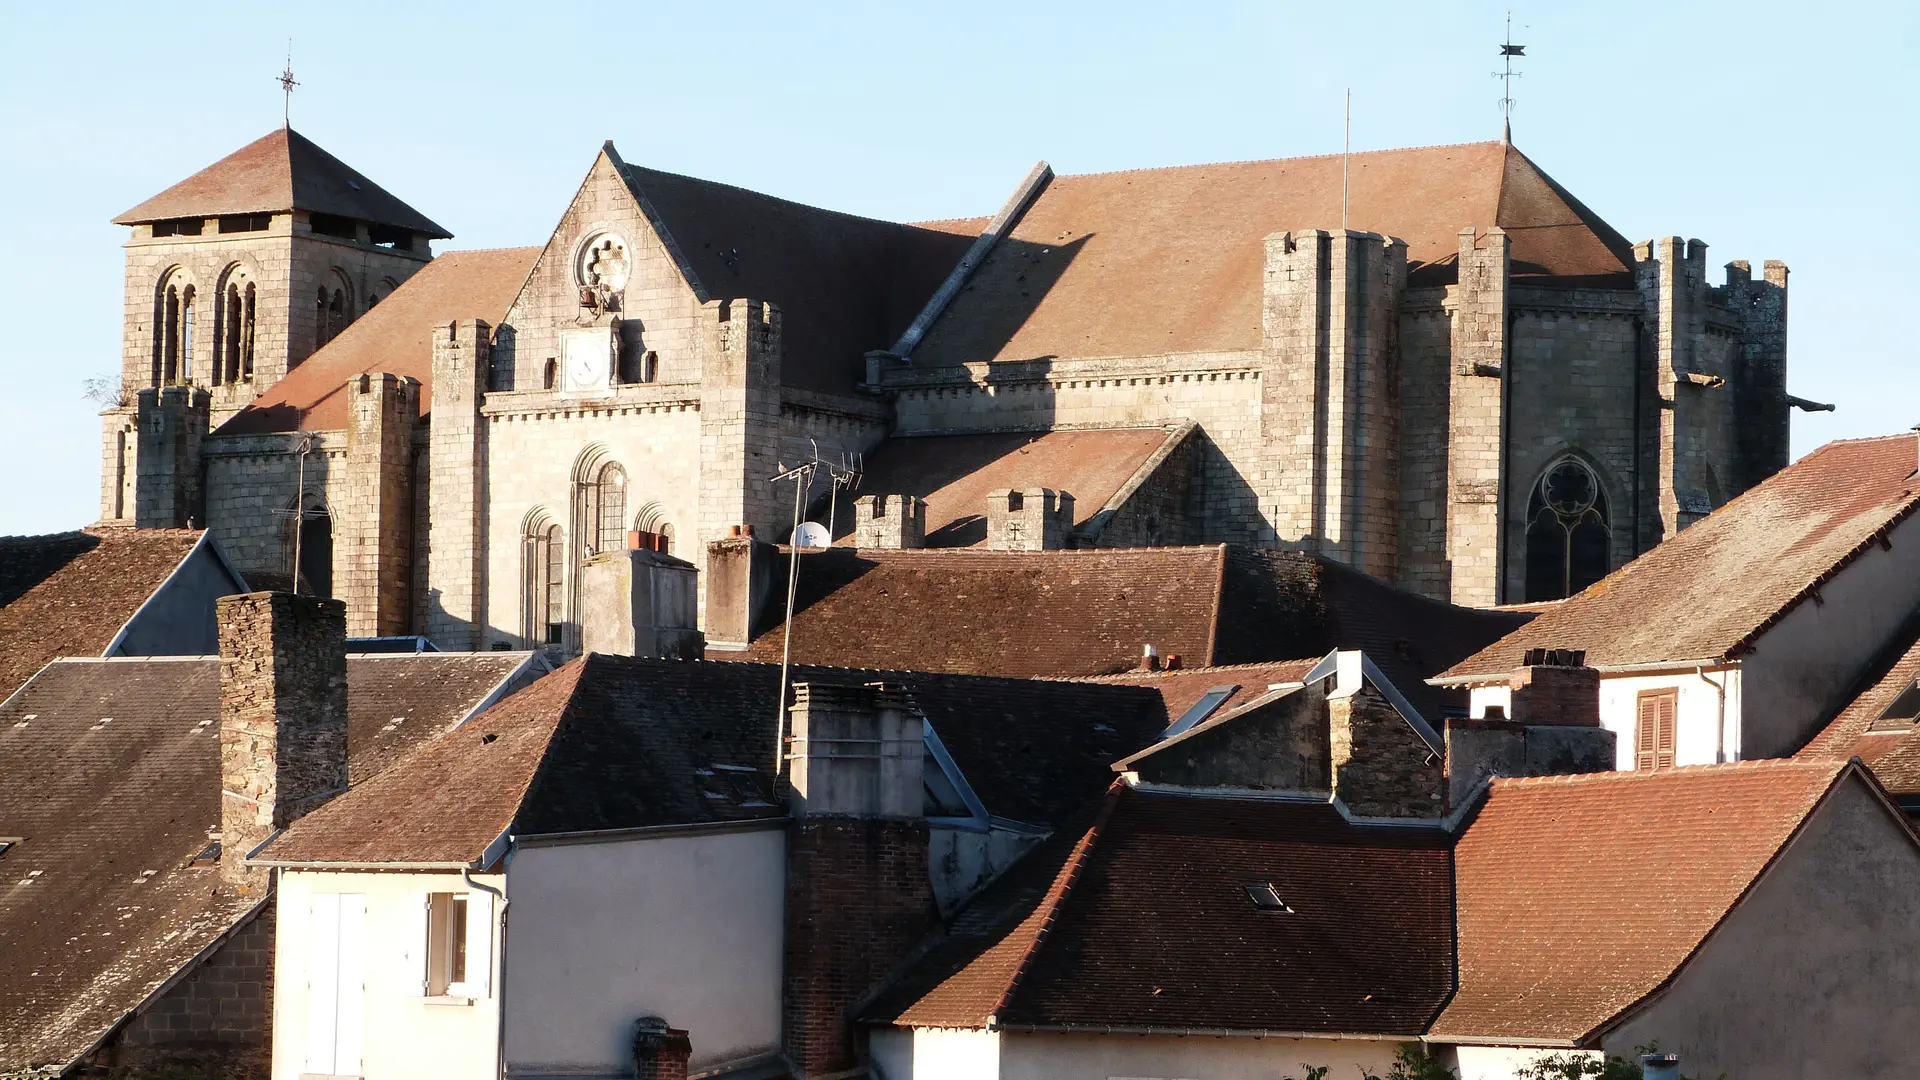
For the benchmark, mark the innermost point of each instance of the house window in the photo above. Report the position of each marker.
(458, 946)
(1568, 531)
(1654, 735)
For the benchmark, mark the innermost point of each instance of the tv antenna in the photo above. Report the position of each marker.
(300, 513)
(1508, 50)
(807, 538)
(287, 83)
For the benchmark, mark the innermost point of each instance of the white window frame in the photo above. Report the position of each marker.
(432, 936)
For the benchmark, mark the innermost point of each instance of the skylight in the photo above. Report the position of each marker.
(1267, 898)
(7, 843)
(1900, 715)
(1201, 709)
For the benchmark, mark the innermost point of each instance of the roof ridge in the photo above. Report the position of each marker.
(485, 251)
(1272, 160)
(630, 167)
(1194, 670)
(1063, 883)
(1793, 764)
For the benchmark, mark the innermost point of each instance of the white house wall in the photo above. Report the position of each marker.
(1813, 974)
(405, 1035)
(685, 927)
(1799, 669)
(935, 1054)
(1698, 715)
(1504, 1062)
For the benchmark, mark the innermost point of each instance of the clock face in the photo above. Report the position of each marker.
(588, 360)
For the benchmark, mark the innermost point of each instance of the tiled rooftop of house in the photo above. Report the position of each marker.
(110, 780)
(68, 594)
(614, 742)
(1188, 913)
(1708, 592)
(1579, 896)
(1069, 614)
(1877, 723)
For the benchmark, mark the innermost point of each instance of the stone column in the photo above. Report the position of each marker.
(1476, 424)
(740, 422)
(283, 717)
(456, 485)
(372, 548)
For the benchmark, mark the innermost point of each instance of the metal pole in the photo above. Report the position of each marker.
(801, 481)
(300, 509)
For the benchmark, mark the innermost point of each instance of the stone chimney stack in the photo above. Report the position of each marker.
(659, 1052)
(889, 521)
(1036, 519)
(1550, 727)
(639, 603)
(738, 582)
(283, 717)
(859, 890)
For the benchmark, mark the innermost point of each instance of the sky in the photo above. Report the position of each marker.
(1769, 130)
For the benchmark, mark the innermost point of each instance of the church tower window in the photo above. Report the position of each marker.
(1568, 531)
(186, 333)
(166, 367)
(610, 509)
(546, 562)
(233, 346)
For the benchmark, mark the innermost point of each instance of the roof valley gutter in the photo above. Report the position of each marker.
(1175, 1030)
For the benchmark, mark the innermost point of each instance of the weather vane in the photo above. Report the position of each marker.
(1508, 50)
(287, 84)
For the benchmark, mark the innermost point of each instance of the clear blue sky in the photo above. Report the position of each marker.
(1769, 130)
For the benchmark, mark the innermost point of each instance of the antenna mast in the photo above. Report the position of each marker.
(844, 473)
(1346, 152)
(1508, 50)
(287, 84)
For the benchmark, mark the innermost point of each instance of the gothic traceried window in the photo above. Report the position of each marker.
(1568, 531)
(610, 509)
(546, 562)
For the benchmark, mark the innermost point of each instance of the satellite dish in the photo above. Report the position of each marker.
(811, 536)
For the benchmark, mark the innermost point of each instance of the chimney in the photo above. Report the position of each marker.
(1660, 1066)
(739, 582)
(283, 717)
(639, 602)
(659, 1052)
(1550, 726)
(859, 890)
(1555, 687)
(1149, 658)
(1036, 519)
(889, 521)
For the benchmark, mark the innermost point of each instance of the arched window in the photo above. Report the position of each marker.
(1568, 530)
(246, 337)
(320, 334)
(233, 330)
(170, 336)
(550, 374)
(655, 533)
(186, 333)
(546, 563)
(336, 314)
(610, 509)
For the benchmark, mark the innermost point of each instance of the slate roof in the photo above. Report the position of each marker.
(613, 742)
(110, 769)
(396, 337)
(1580, 896)
(68, 594)
(954, 473)
(1707, 593)
(1158, 261)
(280, 171)
(1146, 925)
(1068, 614)
(844, 284)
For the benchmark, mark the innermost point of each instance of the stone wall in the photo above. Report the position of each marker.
(217, 1021)
(456, 594)
(1381, 765)
(252, 482)
(373, 541)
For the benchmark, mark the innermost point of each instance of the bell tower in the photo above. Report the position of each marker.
(239, 273)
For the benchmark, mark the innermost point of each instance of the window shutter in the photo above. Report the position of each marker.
(1666, 722)
(323, 980)
(479, 943)
(1644, 734)
(413, 953)
(352, 984)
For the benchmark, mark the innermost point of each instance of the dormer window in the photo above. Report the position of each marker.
(8, 843)
(1901, 714)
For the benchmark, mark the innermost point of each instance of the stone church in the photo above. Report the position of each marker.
(1444, 370)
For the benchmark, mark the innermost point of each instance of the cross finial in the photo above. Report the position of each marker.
(287, 84)
(1508, 50)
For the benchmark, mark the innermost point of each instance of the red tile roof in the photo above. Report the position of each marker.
(1708, 592)
(1075, 613)
(395, 337)
(110, 769)
(1147, 925)
(613, 742)
(844, 284)
(1892, 752)
(1580, 896)
(68, 594)
(1171, 260)
(954, 473)
(281, 171)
